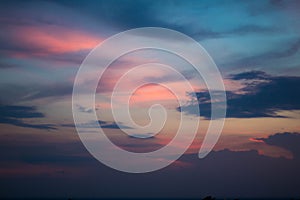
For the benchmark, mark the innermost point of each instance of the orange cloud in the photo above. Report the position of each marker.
(256, 140)
(152, 92)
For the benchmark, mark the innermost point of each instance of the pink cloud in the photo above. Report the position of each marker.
(256, 140)
(46, 40)
(152, 92)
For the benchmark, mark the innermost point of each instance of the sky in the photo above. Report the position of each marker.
(254, 44)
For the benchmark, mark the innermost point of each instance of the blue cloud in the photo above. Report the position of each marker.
(258, 98)
(14, 115)
(289, 141)
(95, 124)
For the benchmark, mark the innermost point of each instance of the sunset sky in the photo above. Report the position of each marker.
(256, 46)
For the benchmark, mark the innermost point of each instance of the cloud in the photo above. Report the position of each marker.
(112, 125)
(142, 136)
(289, 141)
(14, 115)
(30, 88)
(45, 30)
(95, 124)
(4, 65)
(134, 14)
(285, 51)
(122, 15)
(84, 109)
(203, 34)
(45, 42)
(250, 75)
(263, 96)
(51, 90)
(222, 173)
(252, 28)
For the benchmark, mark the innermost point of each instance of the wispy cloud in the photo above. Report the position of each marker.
(45, 41)
(96, 124)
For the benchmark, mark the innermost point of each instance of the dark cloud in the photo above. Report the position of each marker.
(38, 153)
(250, 75)
(95, 124)
(112, 125)
(281, 5)
(27, 91)
(224, 174)
(15, 115)
(262, 97)
(4, 65)
(289, 141)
